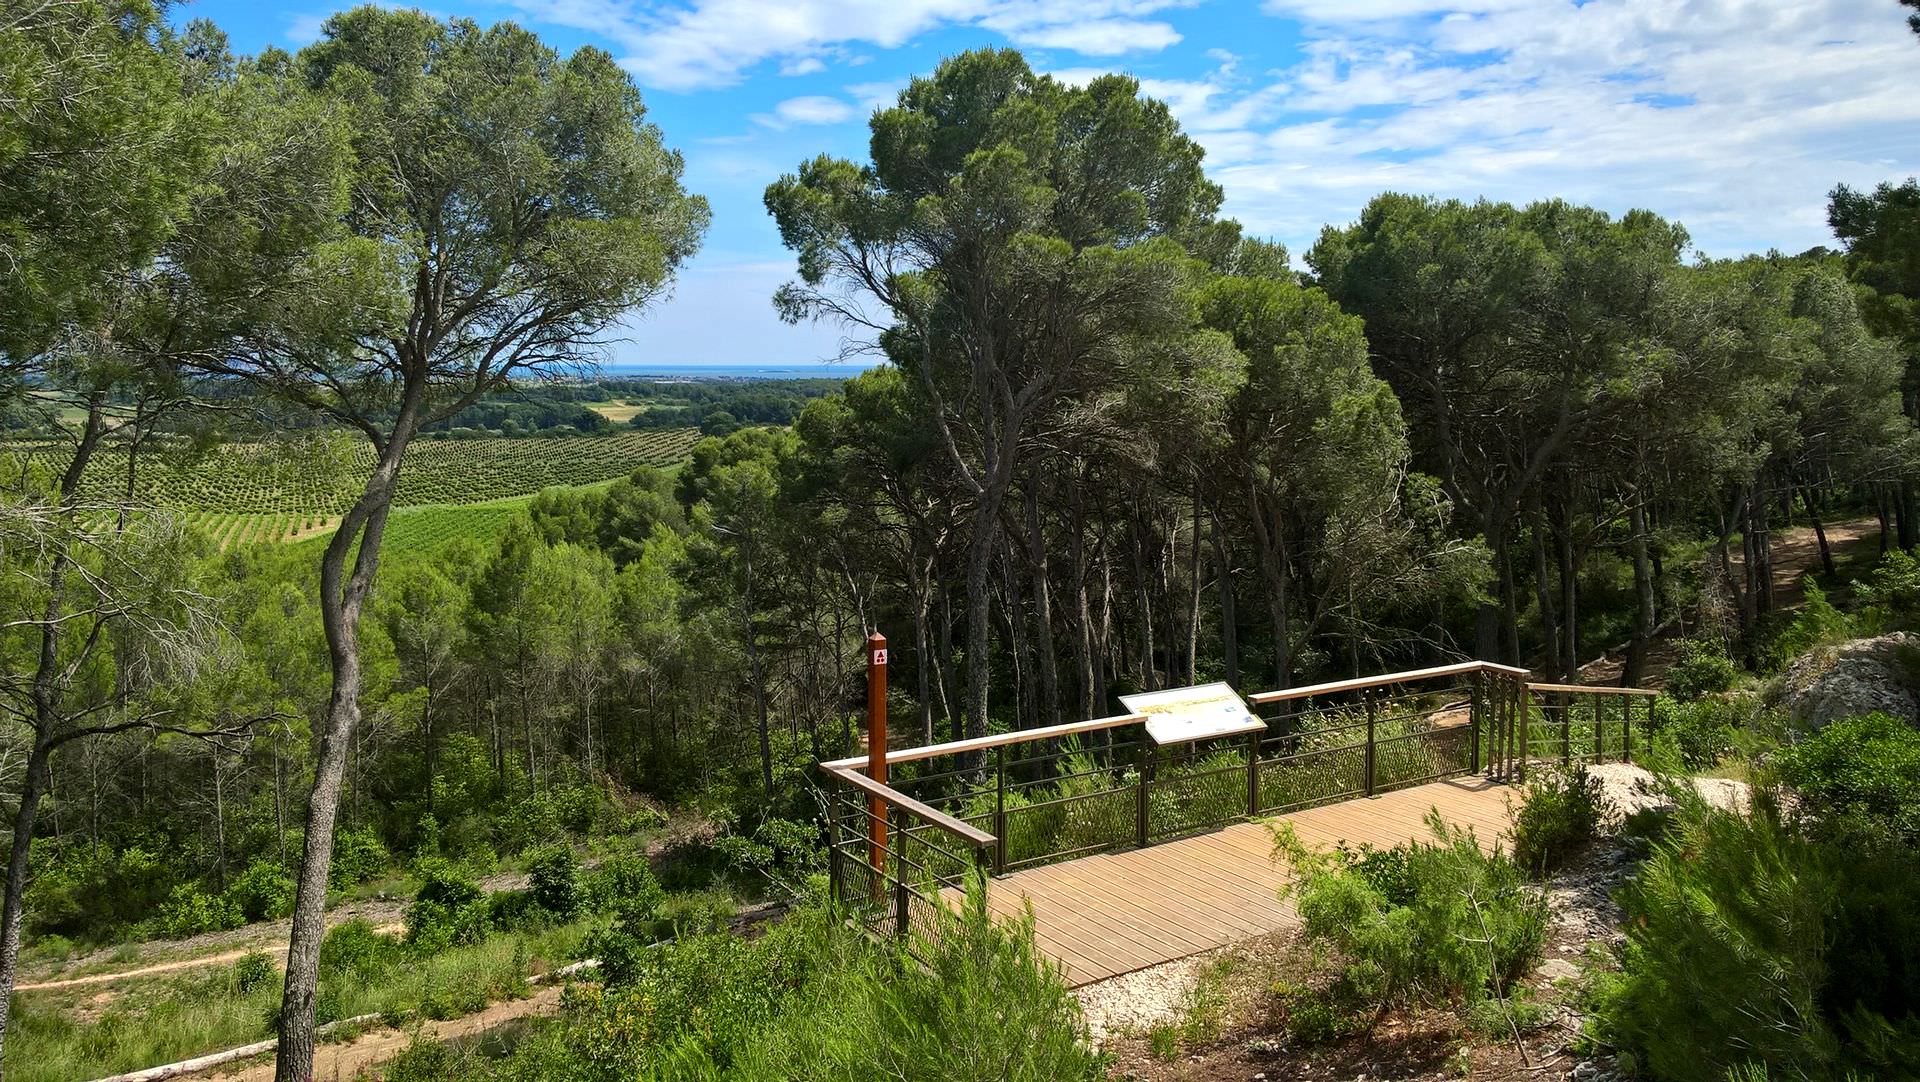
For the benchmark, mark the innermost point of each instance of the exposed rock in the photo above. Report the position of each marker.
(1854, 678)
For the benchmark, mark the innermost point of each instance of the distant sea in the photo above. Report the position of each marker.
(797, 370)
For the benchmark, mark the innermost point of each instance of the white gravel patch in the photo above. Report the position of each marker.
(1138, 1001)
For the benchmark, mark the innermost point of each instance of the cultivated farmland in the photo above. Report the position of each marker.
(298, 486)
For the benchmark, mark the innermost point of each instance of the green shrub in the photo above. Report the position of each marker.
(1556, 818)
(1890, 595)
(622, 879)
(1700, 732)
(255, 969)
(1471, 928)
(355, 949)
(980, 1005)
(554, 879)
(1867, 766)
(517, 911)
(448, 909)
(189, 911)
(1703, 668)
(1751, 944)
(263, 892)
(359, 855)
(1816, 623)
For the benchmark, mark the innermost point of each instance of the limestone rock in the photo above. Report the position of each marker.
(1854, 678)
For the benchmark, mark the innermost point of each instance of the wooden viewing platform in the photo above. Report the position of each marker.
(1104, 915)
(1131, 852)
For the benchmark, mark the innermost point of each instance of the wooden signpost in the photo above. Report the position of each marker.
(877, 748)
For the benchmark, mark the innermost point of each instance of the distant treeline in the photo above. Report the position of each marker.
(716, 407)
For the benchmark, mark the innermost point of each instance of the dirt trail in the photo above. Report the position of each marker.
(346, 1060)
(279, 954)
(1796, 553)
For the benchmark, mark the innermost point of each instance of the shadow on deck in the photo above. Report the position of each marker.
(1101, 916)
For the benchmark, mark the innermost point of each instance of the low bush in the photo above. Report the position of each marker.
(354, 949)
(1753, 946)
(1469, 928)
(1816, 623)
(623, 879)
(553, 877)
(190, 910)
(255, 969)
(1867, 766)
(448, 909)
(1557, 817)
(359, 855)
(263, 892)
(1890, 594)
(1703, 668)
(1698, 733)
(517, 911)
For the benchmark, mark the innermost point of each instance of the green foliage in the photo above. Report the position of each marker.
(1890, 595)
(1469, 930)
(622, 879)
(1815, 623)
(1859, 767)
(1556, 818)
(554, 879)
(190, 910)
(1700, 732)
(447, 910)
(1749, 943)
(254, 970)
(354, 950)
(263, 892)
(1703, 668)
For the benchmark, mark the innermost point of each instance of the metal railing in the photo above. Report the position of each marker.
(996, 804)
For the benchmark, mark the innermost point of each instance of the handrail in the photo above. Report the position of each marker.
(972, 835)
(982, 743)
(1593, 689)
(1336, 687)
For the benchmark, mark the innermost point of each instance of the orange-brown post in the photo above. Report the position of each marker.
(877, 745)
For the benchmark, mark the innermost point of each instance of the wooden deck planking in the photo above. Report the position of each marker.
(1104, 915)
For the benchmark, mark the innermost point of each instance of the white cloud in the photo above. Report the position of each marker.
(1732, 116)
(812, 109)
(1101, 37)
(803, 65)
(694, 44)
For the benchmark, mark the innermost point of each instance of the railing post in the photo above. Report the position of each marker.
(901, 920)
(1473, 723)
(1599, 718)
(1566, 728)
(1372, 710)
(1523, 704)
(877, 746)
(1140, 801)
(1000, 811)
(1253, 774)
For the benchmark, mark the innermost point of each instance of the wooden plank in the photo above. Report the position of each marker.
(1114, 913)
(982, 743)
(1336, 687)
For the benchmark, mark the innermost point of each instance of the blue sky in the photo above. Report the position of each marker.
(1733, 116)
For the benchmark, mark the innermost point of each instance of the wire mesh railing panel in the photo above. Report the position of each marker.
(1002, 803)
